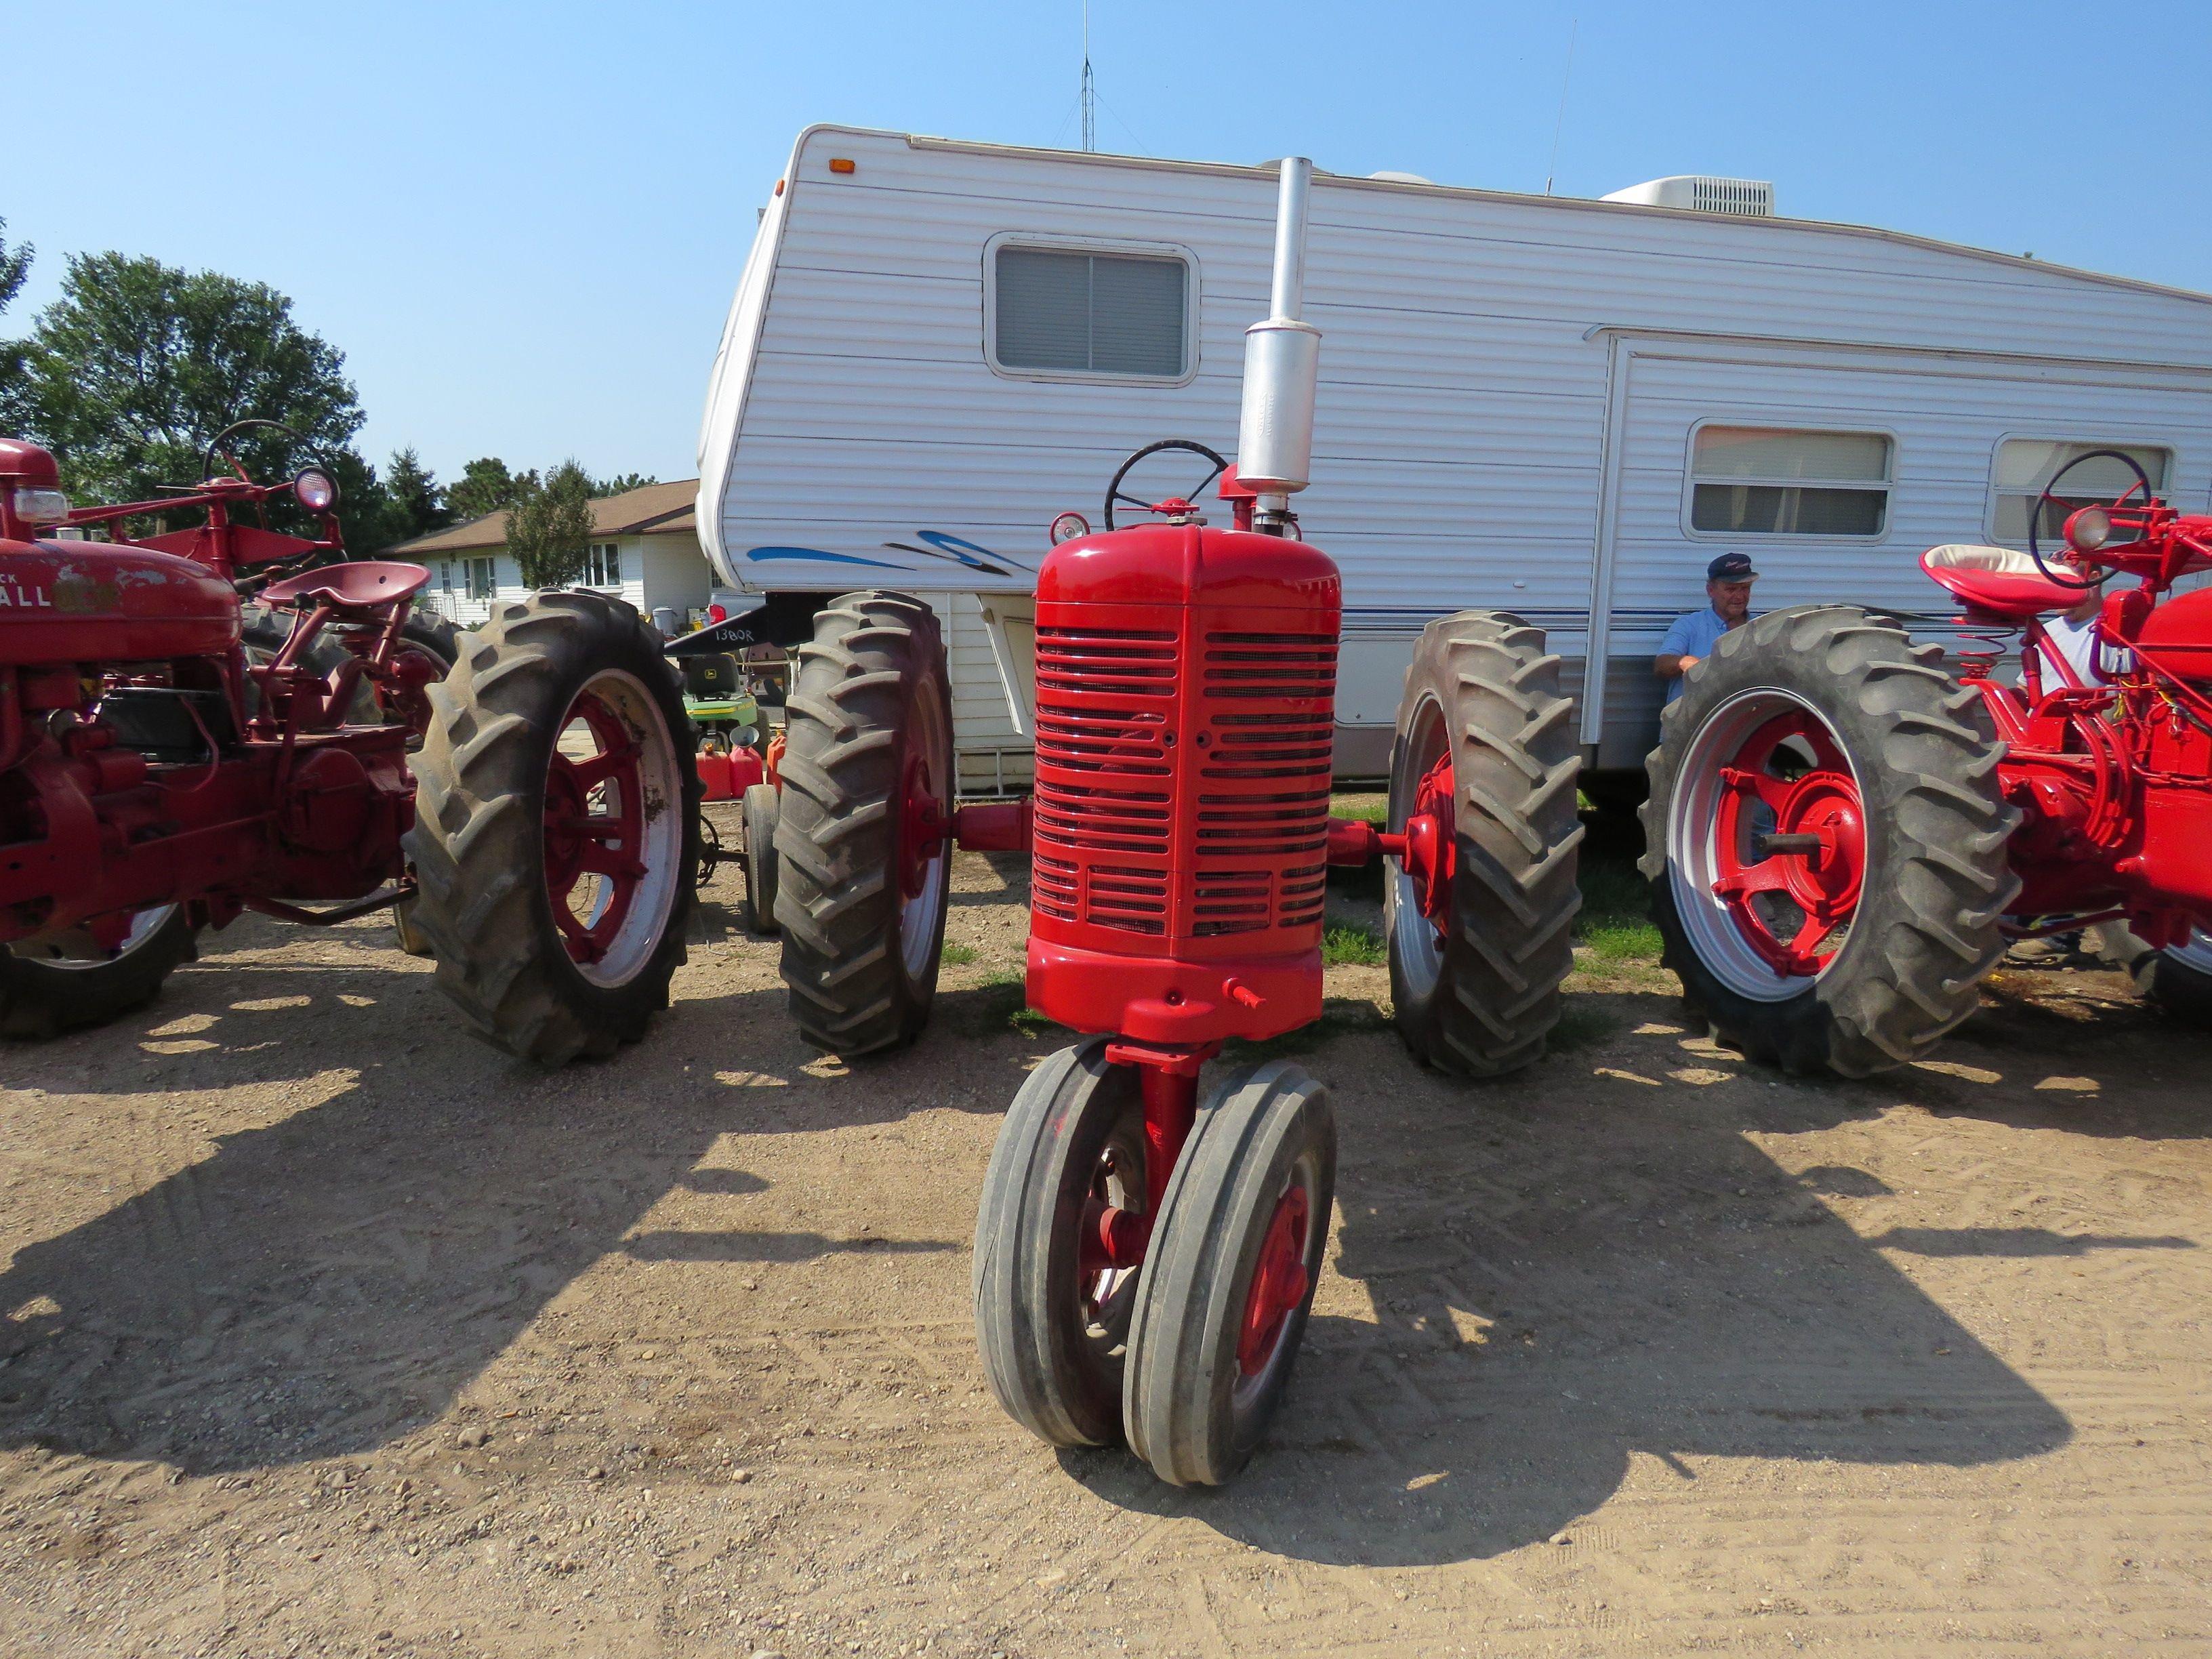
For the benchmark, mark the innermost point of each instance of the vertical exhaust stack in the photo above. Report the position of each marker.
(1282, 363)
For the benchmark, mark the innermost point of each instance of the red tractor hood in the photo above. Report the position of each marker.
(84, 602)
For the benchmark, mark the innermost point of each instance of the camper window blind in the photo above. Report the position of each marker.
(2026, 465)
(1090, 313)
(1772, 481)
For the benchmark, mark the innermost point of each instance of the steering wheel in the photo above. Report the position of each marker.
(2035, 517)
(1115, 493)
(220, 445)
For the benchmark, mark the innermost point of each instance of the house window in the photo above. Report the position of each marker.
(483, 575)
(444, 575)
(1776, 481)
(1067, 310)
(2025, 465)
(603, 566)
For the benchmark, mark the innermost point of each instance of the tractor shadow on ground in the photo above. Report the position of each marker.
(1573, 1267)
(328, 1279)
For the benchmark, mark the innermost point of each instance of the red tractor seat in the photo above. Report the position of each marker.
(365, 584)
(2002, 582)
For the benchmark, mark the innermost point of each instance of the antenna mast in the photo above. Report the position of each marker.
(1565, 78)
(1090, 98)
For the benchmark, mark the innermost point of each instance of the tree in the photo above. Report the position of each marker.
(486, 486)
(623, 484)
(14, 266)
(418, 503)
(548, 530)
(130, 373)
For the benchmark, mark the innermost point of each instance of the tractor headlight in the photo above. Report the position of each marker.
(1068, 526)
(318, 491)
(41, 506)
(2088, 530)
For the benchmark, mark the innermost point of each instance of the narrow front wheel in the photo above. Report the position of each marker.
(1052, 1312)
(1229, 1274)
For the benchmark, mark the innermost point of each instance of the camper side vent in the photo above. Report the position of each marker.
(1746, 198)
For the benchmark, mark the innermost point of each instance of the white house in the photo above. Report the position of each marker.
(645, 548)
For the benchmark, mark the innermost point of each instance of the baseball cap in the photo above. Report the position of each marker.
(1731, 567)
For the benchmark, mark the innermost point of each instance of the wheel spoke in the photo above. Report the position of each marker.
(1759, 786)
(1768, 876)
(589, 774)
(594, 826)
(602, 860)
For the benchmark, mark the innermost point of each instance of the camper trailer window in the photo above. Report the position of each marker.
(2025, 465)
(1070, 312)
(1775, 481)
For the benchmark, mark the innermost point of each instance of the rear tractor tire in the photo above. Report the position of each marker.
(48, 987)
(1826, 843)
(1487, 744)
(868, 757)
(556, 843)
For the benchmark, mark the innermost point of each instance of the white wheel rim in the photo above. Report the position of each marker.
(1693, 857)
(638, 941)
(144, 924)
(919, 915)
(1417, 947)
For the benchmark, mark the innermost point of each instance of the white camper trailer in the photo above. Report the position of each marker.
(1565, 408)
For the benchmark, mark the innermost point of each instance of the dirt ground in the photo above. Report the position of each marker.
(325, 1330)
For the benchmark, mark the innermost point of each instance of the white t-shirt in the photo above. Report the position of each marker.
(2075, 643)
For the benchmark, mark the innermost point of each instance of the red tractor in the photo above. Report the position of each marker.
(523, 796)
(1144, 1263)
(1842, 835)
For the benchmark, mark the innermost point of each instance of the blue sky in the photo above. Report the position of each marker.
(522, 224)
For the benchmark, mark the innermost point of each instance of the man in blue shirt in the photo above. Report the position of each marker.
(1728, 586)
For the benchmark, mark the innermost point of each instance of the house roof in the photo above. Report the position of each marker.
(660, 509)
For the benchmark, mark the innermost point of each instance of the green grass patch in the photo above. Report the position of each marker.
(1347, 945)
(959, 956)
(1367, 808)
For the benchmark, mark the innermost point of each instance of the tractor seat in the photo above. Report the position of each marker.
(2001, 582)
(711, 677)
(368, 585)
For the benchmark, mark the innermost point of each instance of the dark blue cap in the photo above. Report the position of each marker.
(1731, 567)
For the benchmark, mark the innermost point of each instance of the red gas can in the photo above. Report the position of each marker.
(1186, 681)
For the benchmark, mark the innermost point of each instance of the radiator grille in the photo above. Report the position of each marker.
(1250, 855)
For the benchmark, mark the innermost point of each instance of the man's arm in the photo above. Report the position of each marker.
(1675, 659)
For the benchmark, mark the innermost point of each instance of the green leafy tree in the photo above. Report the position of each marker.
(623, 484)
(416, 501)
(487, 486)
(548, 530)
(14, 266)
(137, 364)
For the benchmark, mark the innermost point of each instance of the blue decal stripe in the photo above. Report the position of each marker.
(763, 555)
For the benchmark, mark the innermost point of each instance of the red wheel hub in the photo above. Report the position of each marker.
(1799, 837)
(1279, 1283)
(1430, 853)
(594, 827)
(923, 827)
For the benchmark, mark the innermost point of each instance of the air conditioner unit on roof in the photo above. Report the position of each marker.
(1749, 198)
